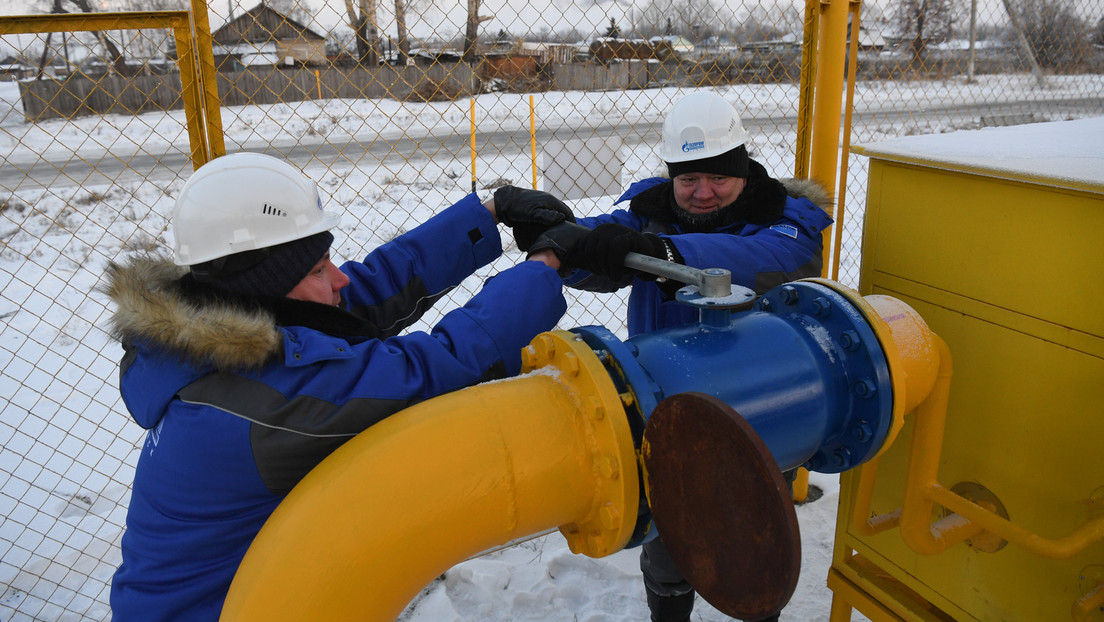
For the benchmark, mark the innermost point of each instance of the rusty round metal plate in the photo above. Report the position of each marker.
(721, 506)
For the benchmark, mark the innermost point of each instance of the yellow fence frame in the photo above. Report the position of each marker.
(195, 59)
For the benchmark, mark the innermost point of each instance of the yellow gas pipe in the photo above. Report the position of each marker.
(476, 469)
(443, 481)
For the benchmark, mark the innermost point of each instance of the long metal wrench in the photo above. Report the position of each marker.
(711, 282)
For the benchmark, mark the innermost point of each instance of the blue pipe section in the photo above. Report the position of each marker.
(801, 364)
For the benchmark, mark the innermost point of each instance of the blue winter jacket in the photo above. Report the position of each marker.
(243, 398)
(772, 237)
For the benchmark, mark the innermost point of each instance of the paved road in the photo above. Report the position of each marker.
(109, 168)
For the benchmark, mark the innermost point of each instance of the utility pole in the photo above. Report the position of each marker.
(973, 39)
(1025, 44)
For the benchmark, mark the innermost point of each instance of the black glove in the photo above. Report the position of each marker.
(563, 239)
(603, 251)
(529, 213)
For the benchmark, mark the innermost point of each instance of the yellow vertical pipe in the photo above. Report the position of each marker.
(863, 498)
(208, 78)
(827, 105)
(473, 142)
(800, 485)
(927, 447)
(425, 489)
(841, 198)
(802, 156)
(191, 94)
(533, 138)
(805, 98)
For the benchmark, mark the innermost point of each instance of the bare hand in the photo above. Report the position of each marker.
(546, 256)
(490, 205)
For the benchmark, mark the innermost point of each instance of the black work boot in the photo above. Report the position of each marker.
(671, 608)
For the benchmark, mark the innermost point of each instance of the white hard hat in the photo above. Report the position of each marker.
(701, 125)
(241, 202)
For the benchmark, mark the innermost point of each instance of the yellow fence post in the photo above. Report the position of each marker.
(805, 85)
(533, 138)
(824, 150)
(473, 141)
(211, 123)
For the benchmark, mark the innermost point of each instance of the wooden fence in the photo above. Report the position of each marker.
(84, 95)
(79, 95)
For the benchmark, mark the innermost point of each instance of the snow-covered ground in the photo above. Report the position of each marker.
(69, 448)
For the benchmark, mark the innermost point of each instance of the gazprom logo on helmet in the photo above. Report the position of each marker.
(688, 146)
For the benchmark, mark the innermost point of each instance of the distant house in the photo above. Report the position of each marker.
(676, 45)
(870, 40)
(263, 36)
(546, 52)
(787, 44)
(607, 49)
(718, 46)
(12, 69)
(435, 56)
(517, 59)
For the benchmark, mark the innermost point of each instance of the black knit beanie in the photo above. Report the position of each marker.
(271, 271)
(732, 163)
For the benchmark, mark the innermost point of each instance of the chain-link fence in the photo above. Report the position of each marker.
(398, 110)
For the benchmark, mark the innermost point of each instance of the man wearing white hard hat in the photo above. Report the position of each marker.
(251, 356)
(716, 208)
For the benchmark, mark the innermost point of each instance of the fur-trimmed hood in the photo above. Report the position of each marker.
(152, 309)
(804, 188)
(160, 306)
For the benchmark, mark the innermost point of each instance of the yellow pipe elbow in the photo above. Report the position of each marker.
(926, 361)
(927, 447)
(444, 480)
(911, 349)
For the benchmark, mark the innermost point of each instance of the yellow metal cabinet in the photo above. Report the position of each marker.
(996, 237)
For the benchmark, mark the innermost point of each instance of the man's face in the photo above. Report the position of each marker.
(699, 193)
(323, 284)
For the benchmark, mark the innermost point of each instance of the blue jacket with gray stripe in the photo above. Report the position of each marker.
(771, 235)
(242, 397)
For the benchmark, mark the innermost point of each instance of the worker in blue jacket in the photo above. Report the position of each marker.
(717, 208)
(252, 356)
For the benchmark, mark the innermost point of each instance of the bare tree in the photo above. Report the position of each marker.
(693, 19)
(471, 29)
(1058, 38)
(656, 18)
(756, 27)
(402, 37)
(764, 23)
(923, 22)
(148, 43)
(572, 34)
(112, 53)
(364, 26)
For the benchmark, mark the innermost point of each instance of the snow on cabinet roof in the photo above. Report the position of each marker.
(1065, 153)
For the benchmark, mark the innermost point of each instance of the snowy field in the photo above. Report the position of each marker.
(58, 388)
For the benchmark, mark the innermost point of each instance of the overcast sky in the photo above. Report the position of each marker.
(520, 16)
